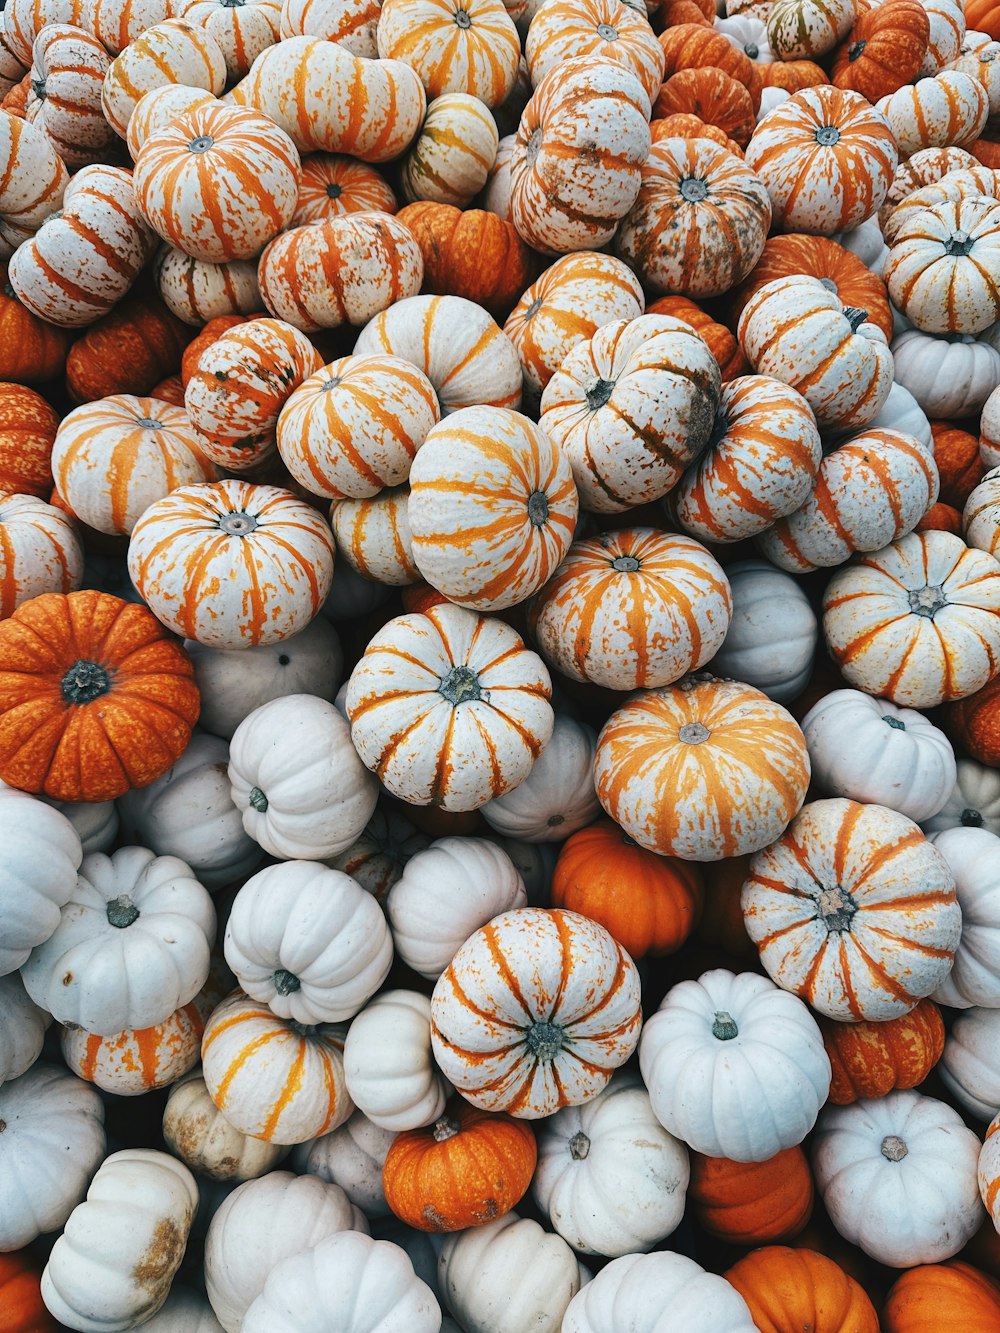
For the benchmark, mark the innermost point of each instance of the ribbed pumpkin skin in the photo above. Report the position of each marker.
(801, 29)
(21, 1298)
(692, 46)
(466, 1169)
(722, 343)
(31, 350)
(948, 110)
(941, 288)
(28, 426)
(608, 29)
(476, 55)
(24, 19)
(684, 125)
(649, 903)
(116, 23)
(39, 551)
(174, 51)
(156, 109)
(15, 100)
(34, 179)
(789, 1289)
(68, 69)
(95, 749)
(212, 332)
(883, 50)
(925, 167)
(937, 1296)
(331, 185)
(871, 1059)
(752, 1203)
(138, 1060)
(714, 96)
(373, 536)
(983, 16)
(792, 75)
(197, 292)
(350, 23)
(452, 157)
(242, 31)
(128, 351)
(976, 723)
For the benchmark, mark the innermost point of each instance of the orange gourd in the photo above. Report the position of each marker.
(31, 350)
(937, 1297)
(714, 96)
(797, 1289)
(722, 343)
(956, 453)
(792, 75)
(884, 49)
(22, 1309)
(987, 151)
(169, 390)
(752, 1203)
(871, 1059)
(128, 351)
(941, 518)
(16, 100)
(675, 12)
(983, 16)
(693, 46)
(211, 333)
(684, 125)
(975, 723)
(28, 426)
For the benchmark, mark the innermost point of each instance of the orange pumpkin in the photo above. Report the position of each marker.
(983, 16)
(872, 1059)
(674, 12)
(987, 151)
(21, 1298)
(941, 518)
(956, 453)
(693, 46)
(331, 185)
(752, 1203)
(884, 49)
(128, 351)
(792, 75)
(684, 125)
(31, 349)
(722, 343)
(97, 697)
(790, 1289)
(975, 723)
(466, 1169)
(712, 95)
(211, 333)
(649, 903)
(169, 390)
(15, 100)
(28, 428)
(935, 1297)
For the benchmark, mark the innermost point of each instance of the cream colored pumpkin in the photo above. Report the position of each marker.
(350, 23)
(117, 23)
(22, 1029)
(243, 30)
(974, 801)
(451, 157)
(24, 19)
(196, 291)
(973, 855)
(42, 853)
(943, 266)
(981, 516)
(950, 377)
(639, 1287)
(33, 183)
(196, 1131)
(390, 1072)
(351, 1157)
(174, 51)
(137, 1060)
(456, 46)
(39, 551)
(557, 797)
(159, 108)
(772, 637)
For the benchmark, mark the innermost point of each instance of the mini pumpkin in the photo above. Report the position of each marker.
(884, 49)
(39, 551)
(783, 1287)
(456, 46)
(752, 1203)
(870, 1059)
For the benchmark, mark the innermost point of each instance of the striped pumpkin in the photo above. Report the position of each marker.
(138, 1060)
(947, 33)
(455, 343)
(870, 491)
(159, 108)
(984, 66)
(373, 536)
(67, 74)
(82, 261)
(196, 291)
(33, 181)
(272, 1078)
(760, 463)
(349, 23)
(117, 23)
(492, 509)
(451, 158)
(572, 299)
(535, 1012)
(853, 910)
(949, 109)
(455, 46)
(331, 185)
(981, 518)
(973, 182)
(804, 29)
(28, 426)
(700, 220)
(827, 160)
(39, 551)
(917, 622)
(115, 457)
(23, 20)
(218, 182)
(884, 49)
(703, 770)
(241, 383)
(925, 167)
(496, 195)
(449, 708)
(872, 1059)
(943, 269)
(232, 565)
(633, 609)
(327, 100)
(354, 426)
(343, 271)
(608, 29)
(174, 51)
(242, 28)
(631, 408)
(721, 102)
(575, 168)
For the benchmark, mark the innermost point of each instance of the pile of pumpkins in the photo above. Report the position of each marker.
(500, 666)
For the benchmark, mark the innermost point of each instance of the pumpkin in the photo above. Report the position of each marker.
(342, 271)
(129, 351)
(752, 1203)
(567, 194)
(374, 536)
(712, 95)
(199, 293)
(44, 853)
(691, 46)
(939, 266)
(638, 1287)
(870, 1059)
(557, 797)
(607, 29)
(947, 34)
(792, 75)
(946, 110)
(39, 551)
(160, 107)
(455, 46)
(352, 1158)
(26, 19)
(331, 185)
(242, 30)
(67, 73)
(184, 1311)
(869, 1154)
(924, 167)
(800, 29)
(988, 1169)
(983, 65)
(28, 427)
(783, 1287)
(496, 537)
(974, 183)
(981, 517)
(232, 564)
(388, 1066)
(685, 125)
(34, 181)
(137, 1060)
(771, 640)
(968, 1066)
(173, 51)
(350, 23)
(789, 1076)
(974, 721)
(956, 456)
(377, 859)
(973, 802)
(23, 1034)
(917, 1298)
(916, 622)
(22, 1300)
(31, 351)
(700, 220)
(884, 49)
(721, 341)
(15, 101)
(949, 376)
(972, 855)
(116, 23)
(565, 306)
(989, 427)
(510, 1030)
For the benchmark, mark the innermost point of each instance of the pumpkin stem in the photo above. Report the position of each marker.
(692, 190)
(693, 733)
(461, 685)
(855, 317)
(724, 1026)
(285, 982)
(202, 144)
(579, 1146)
(530, 313)
(538, 508)
(333, 191)
(534, 147)
(258, 800)
(122, 912)
(445, 1129)
(237, 524)
(149, 423)
(836, 907)
(893, 1148)
(625, 564)
(958, 243)
(38, 88)
(855, 51)
(606, 31)
(971, 819)
(894, 722)
(85, 681)
(544, 1040)
(3, 1126)
(463, 18)
(752, 50)
(827, 135)
(927, 601)
(597, 392)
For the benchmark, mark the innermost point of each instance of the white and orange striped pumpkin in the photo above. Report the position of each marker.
(240, 385)
(218, 182)
(349, 23)
(943, 269)
(981, 515)
(917, 622)
(572, 299)
(114, 457)
(827, 158)
(23, 20)
(451, 158)
(11, 69)
(700, 221)
(493, 508)
(242, 28)
(68, 67)
(455, 343)
(272, 1078)
(496, 196)
(197, 292)
(611, 30)
(535, 1012)
(116, 23)
(870, 491)
(983, 65)
(925, 167)
(331, 185)
(804, 29)
(341, 271)
(82, 261)
(159, 108)
(631, 407)
(33, 180)
(633, 609)
(854, 911)
(354, 426)
(174, 51)
(760, 463)
(455, 46)
(946, 110)
(702, 770)
(138, 1060)
(449, 708)
(799, 331)
(947, 34)
(232, 565)
(957, 186)
(577, 158)
(373, 536)
(328, 100)
(39, 551)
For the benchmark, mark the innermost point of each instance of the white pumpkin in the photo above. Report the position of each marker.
(981, 515)
(233, 682)
(638, 1290)
(950, 376)
(96, 822)
(898, 1177)
(609, 1178)
(388, 1065)
(974, 857)
(974, 801)
(185, 1311)
(445, 894)
(308, 942)
(422, 1247)
(351, 1157)
(49, 1117)
(735, 1067)
(772, 637)
(871, 751)
(298, 780)
(22, 1028)
(132, 945)
(41, 855)
(557, 797)
(970, 1065)
(197, 1132)
(112, 1267)
(376, 860)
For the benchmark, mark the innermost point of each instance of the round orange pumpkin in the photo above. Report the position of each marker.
(211, 333)
(792, 75)
(956, 453)
(752, 1203)
(693, 46)
(884, 49)
(685, 125)
(714, 96)
(28, 428)
(871, 1059)
(790, 1289)
(937, 1297)
(941, 518)
(31, 350)
(975, 723)
(21, 1306)
(128, 351)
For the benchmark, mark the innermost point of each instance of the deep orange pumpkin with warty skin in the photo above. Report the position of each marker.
(934, 1297)
(871, 1059)
(714, 96)
(28, 426)
(97, 697)
(21, 1297)
(883, 50)
(752, 1203)
(790, 1289)
(468, 1168)
(692, 46)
